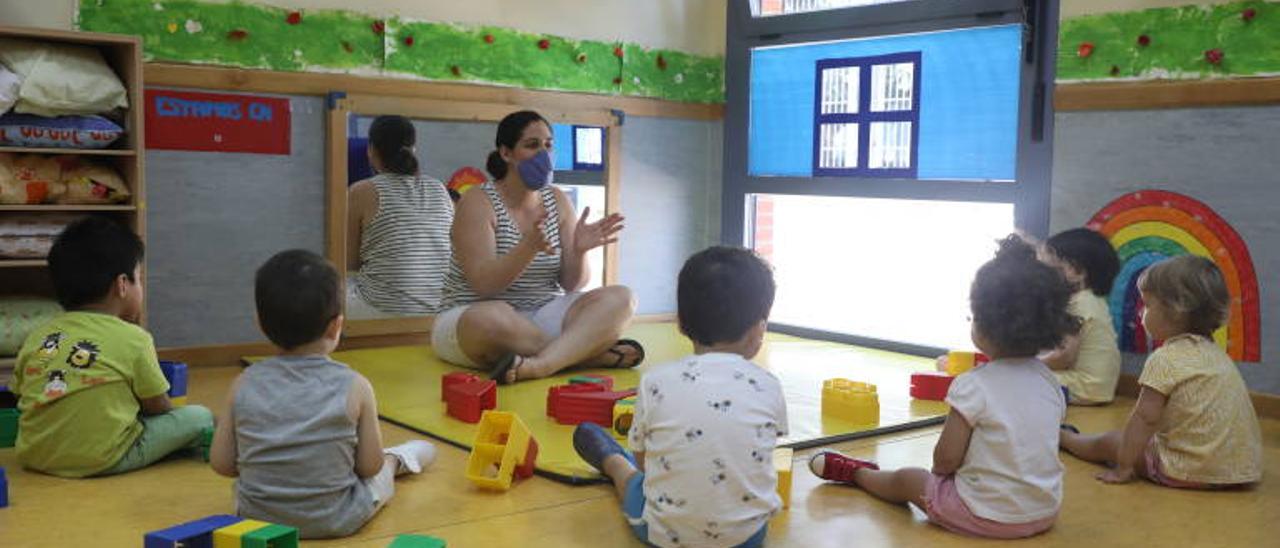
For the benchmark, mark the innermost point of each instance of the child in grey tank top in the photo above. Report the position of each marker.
(300, 431)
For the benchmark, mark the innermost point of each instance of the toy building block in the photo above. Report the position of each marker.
(271, 536)
(959, 361)
(416, 541)
(605, 380)
(782, 459)
(574, 406)
(176, 374)
(4, 489)
(930, 385)
(8, 400)
(525, 469)
(9, 427)
(624, 411)
(457, 377)
(193, 534)
(502, 444)
(555, 394)
(855, 402)
(206, 442)
(466, 401)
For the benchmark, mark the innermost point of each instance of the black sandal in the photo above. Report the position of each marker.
(632, 343)
(507, 363)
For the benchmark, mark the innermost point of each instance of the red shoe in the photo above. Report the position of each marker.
(833, 466)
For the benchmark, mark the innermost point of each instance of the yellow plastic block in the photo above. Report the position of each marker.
(230, 536)
(178, 401)
(852, 401)
(960, 361)
(501, 442)
(623, 413)
(782, 458)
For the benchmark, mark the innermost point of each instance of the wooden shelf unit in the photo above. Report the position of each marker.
(124, 55)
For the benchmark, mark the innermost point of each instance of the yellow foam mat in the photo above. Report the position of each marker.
(406, 380)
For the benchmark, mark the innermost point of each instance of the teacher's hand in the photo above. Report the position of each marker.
(535, 235)
(588, 236)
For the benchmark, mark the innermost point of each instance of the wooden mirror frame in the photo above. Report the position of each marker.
(338, 116)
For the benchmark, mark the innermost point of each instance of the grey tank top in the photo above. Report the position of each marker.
(539, 284)
(296, 447)
(405, 249)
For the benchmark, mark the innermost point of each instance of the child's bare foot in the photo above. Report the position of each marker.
(412, 456)
(833, 466)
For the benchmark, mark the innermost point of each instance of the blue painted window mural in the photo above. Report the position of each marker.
(577, 148)
(962, 122)
(866, 115)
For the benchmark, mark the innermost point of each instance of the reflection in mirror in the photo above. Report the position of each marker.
(398, 218)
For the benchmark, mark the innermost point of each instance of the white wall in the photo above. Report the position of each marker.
(695, 26)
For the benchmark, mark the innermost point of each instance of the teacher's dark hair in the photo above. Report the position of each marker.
(393, 137)
(509, 131)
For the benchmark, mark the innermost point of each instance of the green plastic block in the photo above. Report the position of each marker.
(583, 379)
(9, 427)
(271, 536)
(416, 541)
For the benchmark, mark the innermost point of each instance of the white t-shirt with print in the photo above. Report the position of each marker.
(707, 426)
(1011, 472)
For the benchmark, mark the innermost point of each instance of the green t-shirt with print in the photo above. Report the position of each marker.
(78, 379)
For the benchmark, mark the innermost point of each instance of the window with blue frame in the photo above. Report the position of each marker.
(588, 148)
(578, 148)
(867, 116)
(963, 119)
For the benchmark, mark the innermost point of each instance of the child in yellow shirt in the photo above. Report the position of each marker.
(1194, 426)
(1088, 363)
(93, 399)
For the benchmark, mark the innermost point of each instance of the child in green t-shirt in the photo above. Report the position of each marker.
(93, 398)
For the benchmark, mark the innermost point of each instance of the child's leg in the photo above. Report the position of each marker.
(383, 484)
(897, 486)
(163, 434)
(1099, 448)
(619, 470)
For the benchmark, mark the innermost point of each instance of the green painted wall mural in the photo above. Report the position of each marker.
(254, 36)
(1224, 40)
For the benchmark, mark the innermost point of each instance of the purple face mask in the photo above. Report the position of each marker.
(536, 171)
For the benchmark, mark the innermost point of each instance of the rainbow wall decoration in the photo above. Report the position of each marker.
(1148, 226)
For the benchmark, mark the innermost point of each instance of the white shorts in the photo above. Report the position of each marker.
(444, 331)
(358, 309)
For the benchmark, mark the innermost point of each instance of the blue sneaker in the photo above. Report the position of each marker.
(594, 444)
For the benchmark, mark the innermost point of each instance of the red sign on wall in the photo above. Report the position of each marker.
(215, 122)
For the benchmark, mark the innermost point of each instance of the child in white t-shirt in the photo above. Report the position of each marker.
(705, 426)
(996, 471)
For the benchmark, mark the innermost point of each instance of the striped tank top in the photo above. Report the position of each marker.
(405, 249)
(539, 284)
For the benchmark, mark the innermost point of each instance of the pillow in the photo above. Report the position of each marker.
(59, 79)
(19, 316)
(10, 83)
(29, 179)
(31, 236)
(93, 184)
(26, 130)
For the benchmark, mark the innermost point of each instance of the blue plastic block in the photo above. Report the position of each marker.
(4, 489)
(176, 374)
(193, 534)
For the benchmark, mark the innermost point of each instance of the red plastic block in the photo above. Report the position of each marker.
(525, 469)
(467, 401)
(930, 385)
(603, 380)
(457, 377)
(575, 407)
(555, 394)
